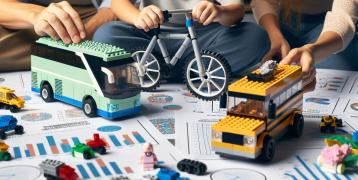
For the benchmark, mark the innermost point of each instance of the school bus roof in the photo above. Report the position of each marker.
(286, 74)
(6, 90)
(106, 51)
(240, 125)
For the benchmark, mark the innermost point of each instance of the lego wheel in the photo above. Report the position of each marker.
(2, 134)
(14, 109)
(214, 82)
(87, 155)
(339, 123)
(89, 107)
(19, 129)
(101, 150)
(181, 165)
(47, 93)
(297, 127)
(5, 156)
(323, 129)
(152, 71)
(268, 150)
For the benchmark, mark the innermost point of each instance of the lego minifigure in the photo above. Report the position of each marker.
(148, 159)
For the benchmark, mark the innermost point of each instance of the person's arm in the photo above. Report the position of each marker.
(58, 20)
(226, 14)
(266, 14)
(103, 15)
(147, 18)
(338, 31)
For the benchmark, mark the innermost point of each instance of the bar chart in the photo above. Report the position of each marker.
(53, 145)
(99, 168)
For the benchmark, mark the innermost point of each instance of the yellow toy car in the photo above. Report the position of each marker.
(329, 124)
(8, 100)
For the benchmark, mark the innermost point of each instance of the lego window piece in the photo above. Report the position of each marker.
(248, 107)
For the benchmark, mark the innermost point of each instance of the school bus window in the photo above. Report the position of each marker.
(283, 98)
(248, 107)
(299, 85)
(289, 93)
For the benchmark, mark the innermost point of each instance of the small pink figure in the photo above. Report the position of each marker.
(335, 154)
(148, 159)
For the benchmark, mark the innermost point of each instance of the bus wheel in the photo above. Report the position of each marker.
(47, 93)
(14, 109)
(268, 149)
(89, 107)
(297, 127)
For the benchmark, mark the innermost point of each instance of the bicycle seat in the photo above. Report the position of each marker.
(170, 29)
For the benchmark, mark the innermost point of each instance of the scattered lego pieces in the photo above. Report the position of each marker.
(9, 123)
(329, 124)
(54, 169)
(97, 144)
(148, 159)
(4, 153)
(8, 100)
(83, 151)
(192, 167)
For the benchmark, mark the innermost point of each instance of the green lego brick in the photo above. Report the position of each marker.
(106, 51)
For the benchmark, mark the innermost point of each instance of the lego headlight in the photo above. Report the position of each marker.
(216, 136)
(250, 141)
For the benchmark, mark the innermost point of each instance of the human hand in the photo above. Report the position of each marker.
(60, 21)
(102, 16)
(206, 12)
(302, 56)
(279, 47)
(149, 18)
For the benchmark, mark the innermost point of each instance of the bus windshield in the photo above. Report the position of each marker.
(247, 107)
(119, 79)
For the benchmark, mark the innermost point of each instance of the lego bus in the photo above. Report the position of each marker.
(99, 78)
(259, 111)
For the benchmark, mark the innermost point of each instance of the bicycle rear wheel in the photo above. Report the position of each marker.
(215, 81)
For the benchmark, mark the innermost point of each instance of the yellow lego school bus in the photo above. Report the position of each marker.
(260, 110)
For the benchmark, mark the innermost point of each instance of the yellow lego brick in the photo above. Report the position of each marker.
(6, 90)
(285, 73)
(240, 125)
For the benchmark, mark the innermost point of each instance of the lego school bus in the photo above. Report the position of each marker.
(261, 108)
(99, 78)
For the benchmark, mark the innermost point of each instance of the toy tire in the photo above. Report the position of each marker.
(19, 129)
(222, 62)
(2, 134)
(181, 166)
(46, 93)
(101, 150)
(268, 150)
(87, 155)
(89, 107)
(14, 109)
(339, 123)
(296, 128)
(5, 157)
(323, 129)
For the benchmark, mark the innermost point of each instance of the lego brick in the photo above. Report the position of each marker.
(240, 125)
(285, 73)
(106, 51)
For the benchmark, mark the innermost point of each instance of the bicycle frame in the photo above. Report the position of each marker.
(190, 38)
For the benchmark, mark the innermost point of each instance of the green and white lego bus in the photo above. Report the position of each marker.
(99, 78)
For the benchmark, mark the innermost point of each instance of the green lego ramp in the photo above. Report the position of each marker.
(106, 51)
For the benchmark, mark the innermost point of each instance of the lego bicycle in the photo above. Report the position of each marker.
(207, 75)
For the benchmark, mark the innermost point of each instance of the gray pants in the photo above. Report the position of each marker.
(242, 46)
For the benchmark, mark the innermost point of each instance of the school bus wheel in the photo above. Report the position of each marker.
(47, 93)
(268, 150)
(14, 109)
(89, 107)
(297, 126)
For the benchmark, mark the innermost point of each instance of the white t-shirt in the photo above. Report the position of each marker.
(179, 19)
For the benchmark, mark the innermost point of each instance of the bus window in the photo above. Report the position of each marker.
(247, 107)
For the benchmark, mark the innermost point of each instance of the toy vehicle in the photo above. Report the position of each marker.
(167, 174)
(329, 124)
(4, 153)
(207, 74)
(9, 123)
(99, 78)
(97, 144)
(192, 167)
(83, 151)
(54, 169)
(259, 113)
(8, 100)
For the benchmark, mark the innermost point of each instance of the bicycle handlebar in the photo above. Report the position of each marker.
(169, 13)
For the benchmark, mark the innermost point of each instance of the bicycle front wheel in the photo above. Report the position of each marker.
(216, 77)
